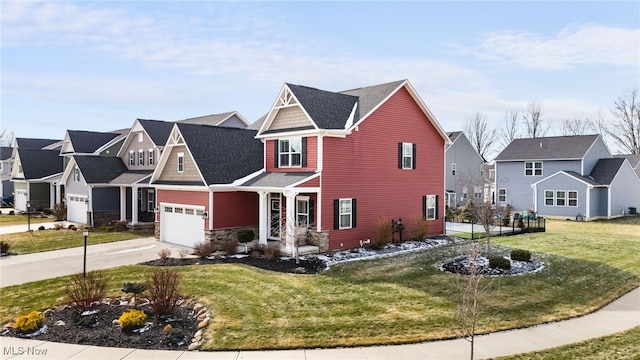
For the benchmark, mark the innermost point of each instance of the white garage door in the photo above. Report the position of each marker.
(77, 209)
(20, 200)
(181, 224)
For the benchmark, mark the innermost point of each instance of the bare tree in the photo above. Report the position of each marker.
(480, 135)
(625, 131)
(509, 130)
(599, 126)
(536, 125)
(575, 126)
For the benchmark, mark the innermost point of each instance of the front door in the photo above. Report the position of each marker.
(274, 215)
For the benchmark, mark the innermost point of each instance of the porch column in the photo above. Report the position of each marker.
(123, 203)
(58, 193)
(290, 222)
(263, 217)
(134, 205)
(52, 194)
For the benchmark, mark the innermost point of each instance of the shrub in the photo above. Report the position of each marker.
(499, 262)
(41, 227)
(204, 249)
(384, 234)
(520, 255)
(85, 292)
(175, 337)
(132, 319)
(30, 322)
(58, 226)
(164, 291)
(4, 247)
(272, 251)
(60, 211)
(468, 214)
(164, 254)
(120, 225)
(135, 288)
(229, 246)
(72, 227)
(520, 223)
(11, 212)
(418, 228)
(245, 235)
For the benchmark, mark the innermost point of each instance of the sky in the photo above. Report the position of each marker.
(88, 65)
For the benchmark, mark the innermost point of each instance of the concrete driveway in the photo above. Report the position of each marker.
(21, 269)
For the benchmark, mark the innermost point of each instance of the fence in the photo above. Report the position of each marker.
(461, 228)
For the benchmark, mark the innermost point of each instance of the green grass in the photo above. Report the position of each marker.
(620, 346)
(45, 240)
(390, 300)
(8, 220)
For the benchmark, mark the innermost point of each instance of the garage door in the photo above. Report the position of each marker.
(181, 224)
(20, 200)
(77, 208)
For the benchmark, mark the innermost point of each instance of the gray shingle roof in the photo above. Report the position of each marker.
(587, 179)
(27, 143)
(100, 169)
(37, 164)
(213, 119)
(86, 142)
(329, 110)
(371, 96)
(158, 130)
(222, 154)
(5, 152)
(634, 159)
(277, 179)
(548, 148)
(453, 135)
(606, 169)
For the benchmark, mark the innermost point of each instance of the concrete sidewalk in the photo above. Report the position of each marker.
(620, 315)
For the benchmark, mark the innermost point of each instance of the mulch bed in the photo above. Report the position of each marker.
(67, 326)
(284, 265)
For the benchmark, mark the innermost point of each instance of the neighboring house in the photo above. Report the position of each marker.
(35, 173)
(634, 161)
(43, 144)
(228, 119)
(565, 176)
(464, 171)
(195, 180)
(490, 183)
(6, 165)
(340, 163)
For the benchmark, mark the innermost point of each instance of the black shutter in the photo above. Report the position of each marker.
(336, 214)
(353, 213)
(276, 148)
(424, 206)
(304, 152)
(400, 155)
(413, 166)
(437, 206)
(312, 217)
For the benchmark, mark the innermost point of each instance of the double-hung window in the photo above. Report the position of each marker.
(502, 195)
(150, 157)
(431, 203)
(573, 198)
(180, 162)
(132, 158)
(453, 169)
(406, 156)
(548, 197)
(344, 213)
(290, 152)
(141, 157)
(151, 199)
(533, 168)
(561, 197)
(76, 174)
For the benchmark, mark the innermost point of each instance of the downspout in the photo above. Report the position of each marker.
(91, 203)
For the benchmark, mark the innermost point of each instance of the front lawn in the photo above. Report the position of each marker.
(8, 220)
(45, 240)
(389, 300)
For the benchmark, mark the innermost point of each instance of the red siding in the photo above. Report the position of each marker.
(370, 173)
(315, 182)
(234, 209)
(198, 198)
(312, 157)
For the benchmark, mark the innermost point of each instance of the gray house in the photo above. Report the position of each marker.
(464, 171)
(34, 175)
(565, 176)
(6, 165)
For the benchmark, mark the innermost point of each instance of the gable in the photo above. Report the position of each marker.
(290, 118)
(169, 173)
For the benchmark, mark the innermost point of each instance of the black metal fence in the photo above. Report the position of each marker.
(457, 226)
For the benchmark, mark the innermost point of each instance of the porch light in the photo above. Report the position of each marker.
(205, 215)
(156, 210)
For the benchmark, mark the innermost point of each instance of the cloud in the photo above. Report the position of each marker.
(588, 44)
